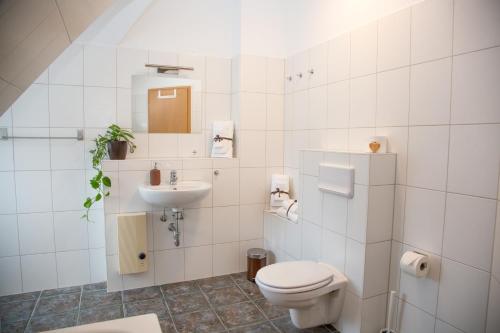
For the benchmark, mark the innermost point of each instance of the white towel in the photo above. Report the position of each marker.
(279, 184)
(222, 139)
(289, 210)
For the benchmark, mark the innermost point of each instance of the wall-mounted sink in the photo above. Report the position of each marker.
(174, 196)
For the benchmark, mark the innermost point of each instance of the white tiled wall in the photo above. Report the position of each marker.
(44, 181)
(354, 235)
(426, 77)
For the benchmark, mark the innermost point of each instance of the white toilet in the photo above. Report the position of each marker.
(314, 292)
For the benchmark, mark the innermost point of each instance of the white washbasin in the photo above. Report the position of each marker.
(174, 196)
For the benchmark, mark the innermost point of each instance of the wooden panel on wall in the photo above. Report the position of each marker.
(169, 110)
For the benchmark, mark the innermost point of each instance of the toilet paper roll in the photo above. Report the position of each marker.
(414, 263)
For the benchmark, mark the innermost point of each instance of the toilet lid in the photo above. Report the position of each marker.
(295, 274)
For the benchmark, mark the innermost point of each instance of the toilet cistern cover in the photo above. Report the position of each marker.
(294, 274)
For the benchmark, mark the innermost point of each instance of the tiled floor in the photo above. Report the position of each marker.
(227, 303)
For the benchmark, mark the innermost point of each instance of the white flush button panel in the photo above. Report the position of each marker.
(336, 179)
(132, 243)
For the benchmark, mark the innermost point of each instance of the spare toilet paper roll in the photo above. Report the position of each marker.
(414, 263)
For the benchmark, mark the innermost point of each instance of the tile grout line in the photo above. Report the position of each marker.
(33, 312)
(210, 305)
(168, 309)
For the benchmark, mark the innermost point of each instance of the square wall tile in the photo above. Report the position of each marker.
(252, 185)
(334, 215)
(274, 149)
(471, 221)
(373, 313)
(130, 200)
(31, 109)
(66, 154)
(474, 151)
(251, 222)
(164, 260)
(198, 262)
(73, 268)
(359, 138)
(397, 142)
(99, 106)
(399, 213)
(217, 107)
(70, 231)
(226, 224)
(124, 108)
(458, 296)
(218, 75)
(10, 275)
(7, 153)
(393, 97)
(312, 198)
(394, 40)
(376, 270)
(275, 112)
(33, 191)
(364, 50)
(339, 58)
(129, 62)
(301, 109)
(380, 212)
(252, 111)
(31, 154)
(39, 272)
(99, 66)
(414, 320)
(476, 77)
(430, 91)
(36, 233)
(66, 106)
(226, 258)
(68, 67)
(428, 156)
(163, 145)
(363, 101)
(252, 149)
(98, 269)
(476, 25)
(226, 187)
(495, 270)
(252, 73)
(318, 109)
(7, 199)
(424, 219)
(9, 239)
(338, 105)
(275, 76)
(198, 63)
(318, 63)
(311, 241)
(69, 191)
(198, 227)
(333, 249)
(493, 321)
(355, 266)
(358, 213)
(431, 30)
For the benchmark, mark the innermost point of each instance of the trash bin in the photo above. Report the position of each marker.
(256, 259)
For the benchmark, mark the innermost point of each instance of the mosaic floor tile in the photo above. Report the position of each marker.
(239, 277)
(101, 313)
(57, 304)
(239, 314)
(13, 327)
(16, 311)
(100, 298)
(187, 303)
(140, 294)
(167, 326)
(225, 296)
(199, 322)
(155, 305)
(180, 288)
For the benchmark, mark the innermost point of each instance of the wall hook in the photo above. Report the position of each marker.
(299, 75)
(311, 71)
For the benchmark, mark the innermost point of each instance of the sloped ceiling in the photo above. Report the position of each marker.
(33, 33)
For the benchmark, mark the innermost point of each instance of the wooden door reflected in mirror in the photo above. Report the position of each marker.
(169, 110)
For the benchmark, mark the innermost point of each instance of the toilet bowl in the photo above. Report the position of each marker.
(313, 292)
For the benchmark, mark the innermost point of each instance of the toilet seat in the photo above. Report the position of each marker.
(295, 276)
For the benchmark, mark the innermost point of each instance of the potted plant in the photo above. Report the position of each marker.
(113, 144)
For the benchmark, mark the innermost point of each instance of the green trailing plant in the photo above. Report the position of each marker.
(101, 183)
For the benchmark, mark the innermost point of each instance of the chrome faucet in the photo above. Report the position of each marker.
(173, 177)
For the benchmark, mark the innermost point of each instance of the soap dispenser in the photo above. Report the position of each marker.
(155, 176)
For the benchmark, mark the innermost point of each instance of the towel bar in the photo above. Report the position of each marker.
(4, 135)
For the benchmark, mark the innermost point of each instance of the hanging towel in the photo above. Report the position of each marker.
(289, 210)
(222, 139)
(280, 187)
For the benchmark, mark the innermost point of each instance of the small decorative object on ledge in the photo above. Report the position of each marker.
(374, 146)
(113, 143)
(378, 144)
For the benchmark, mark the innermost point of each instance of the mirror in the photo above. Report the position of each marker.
(165, 104)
